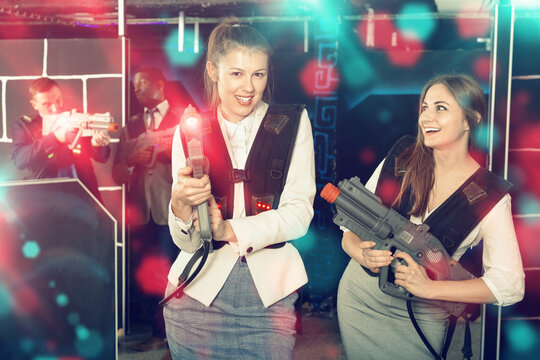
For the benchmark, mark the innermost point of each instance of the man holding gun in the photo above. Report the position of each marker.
(143, 163)
(44, 147)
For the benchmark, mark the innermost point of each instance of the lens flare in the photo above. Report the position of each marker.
(521, 336)
(319, 77)
(185, 58)
(31, 249)
(416, 22)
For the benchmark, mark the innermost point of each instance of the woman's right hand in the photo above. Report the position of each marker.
(363, 252)
(188, 192)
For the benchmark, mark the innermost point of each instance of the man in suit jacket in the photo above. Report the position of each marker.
(40, 143)
(143, 163)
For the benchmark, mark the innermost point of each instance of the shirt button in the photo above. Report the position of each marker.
(249, 249)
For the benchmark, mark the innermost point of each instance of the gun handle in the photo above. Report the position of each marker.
(388, 287)
(204, 222)
(76, 139)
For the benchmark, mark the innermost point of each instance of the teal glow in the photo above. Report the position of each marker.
(73, 318)
(91, 346)
(27, 345)
(416, 21)
(305, 243)
(82, 332)
(52, 284)
(385, 116)
(521, 336)
(481, 135)
(528, 204)
(6, 301)
(45, 357)
(526, 4)
(187, 57)
(62, 300)
(31, 249)
(356, 71)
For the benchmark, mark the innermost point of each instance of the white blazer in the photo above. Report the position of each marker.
(275, 272)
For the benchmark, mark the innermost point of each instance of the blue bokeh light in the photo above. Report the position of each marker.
(89, 344)
(62, 300)
(31, 249)
(416, 21)
(521, 336)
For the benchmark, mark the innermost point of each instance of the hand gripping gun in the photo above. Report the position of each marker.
(362, 212)
(194, 128)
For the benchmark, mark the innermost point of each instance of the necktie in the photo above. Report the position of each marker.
(152, 117)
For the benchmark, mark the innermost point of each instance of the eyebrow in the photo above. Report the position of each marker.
(437, 102)
(240, 69)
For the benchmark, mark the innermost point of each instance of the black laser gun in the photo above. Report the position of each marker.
(194, 128)
(362, 212)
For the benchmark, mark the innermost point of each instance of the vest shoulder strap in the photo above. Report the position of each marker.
(453, 220)
(270, 156)
(390, 179)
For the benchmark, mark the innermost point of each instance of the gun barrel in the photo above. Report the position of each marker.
(356, 210)
(99, 125)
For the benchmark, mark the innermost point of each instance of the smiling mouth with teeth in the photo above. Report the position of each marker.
(431, 130)
(243, 100)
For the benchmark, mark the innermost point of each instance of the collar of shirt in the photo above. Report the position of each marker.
(239, 135)
(162, 109)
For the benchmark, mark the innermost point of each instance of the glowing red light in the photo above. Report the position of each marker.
(192, 121)
(482, 68)
(388, 191)
(379, 33)
(367, 156)
(151, 275)
(471, 28)
(406, 54)
(319, 77)
(263, 206)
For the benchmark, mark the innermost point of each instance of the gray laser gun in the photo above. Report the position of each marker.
(362, 212)
(194, 127)
(86, 123)
(160, 140)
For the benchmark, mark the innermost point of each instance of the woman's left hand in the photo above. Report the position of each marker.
(413, 277)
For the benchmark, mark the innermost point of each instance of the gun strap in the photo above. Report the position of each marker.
(184, 279)
(420, 333)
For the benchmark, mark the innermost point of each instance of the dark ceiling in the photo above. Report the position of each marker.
(62, 12)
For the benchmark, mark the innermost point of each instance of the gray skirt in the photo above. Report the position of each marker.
(374, 325)
(235, 326)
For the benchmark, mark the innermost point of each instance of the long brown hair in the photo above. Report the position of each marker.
(225, 37)
(417, 161)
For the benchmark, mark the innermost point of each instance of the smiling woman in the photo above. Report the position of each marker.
(438, 184)
(260, 190)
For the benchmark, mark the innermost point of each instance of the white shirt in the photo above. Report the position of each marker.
(501, 259)
(162, 109)
(275, 272)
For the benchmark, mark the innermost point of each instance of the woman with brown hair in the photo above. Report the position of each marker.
(432, 173)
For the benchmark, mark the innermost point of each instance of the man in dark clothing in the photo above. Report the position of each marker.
(41, 144)
(143, 163)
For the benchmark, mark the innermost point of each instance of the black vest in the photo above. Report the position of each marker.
(267, 164)
(454, 219)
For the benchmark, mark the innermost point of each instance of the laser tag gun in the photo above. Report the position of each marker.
(86, 123)
(194, 128)
(362, 212)
(160, 140)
